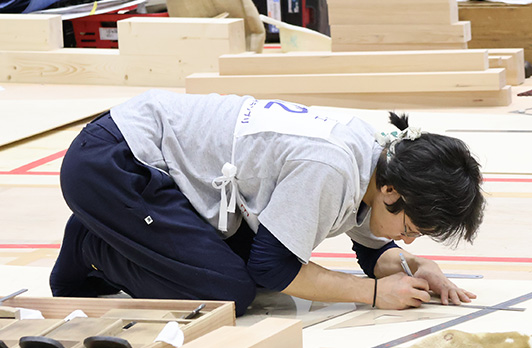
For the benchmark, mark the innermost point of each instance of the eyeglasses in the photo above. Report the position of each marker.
(409, 234)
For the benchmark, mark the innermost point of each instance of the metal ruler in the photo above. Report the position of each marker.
(448, 275)
(456, 321)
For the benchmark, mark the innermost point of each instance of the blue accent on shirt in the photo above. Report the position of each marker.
(367, 257)
(270, 263)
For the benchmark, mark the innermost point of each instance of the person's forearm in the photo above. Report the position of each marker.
(316, 283)
(390, 262)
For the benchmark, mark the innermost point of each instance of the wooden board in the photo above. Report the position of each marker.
(6, 322)
(392, 12)
(28, 110)
(271, 332)
(11, 334)
(352, 62)
(176, 36)
(515, 69)
(393, 101)
(37, 32)
(338, 47)
(77, 329)
(343, 34)
(489, 80)
(498, 25)
(515, 74)
(103, 67)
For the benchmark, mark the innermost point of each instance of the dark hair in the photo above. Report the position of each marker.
(439, 182)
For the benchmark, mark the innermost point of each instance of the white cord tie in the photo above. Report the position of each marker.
(229, 173)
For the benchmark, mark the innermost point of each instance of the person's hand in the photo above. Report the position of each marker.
(399, 291)
(442, 286)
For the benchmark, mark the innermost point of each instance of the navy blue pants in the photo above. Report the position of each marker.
(132, 229)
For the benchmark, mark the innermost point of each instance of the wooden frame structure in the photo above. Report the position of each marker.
(109, 316)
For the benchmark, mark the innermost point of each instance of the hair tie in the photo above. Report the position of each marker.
(392, 138)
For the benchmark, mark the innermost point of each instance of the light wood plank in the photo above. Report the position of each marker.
(489, 80)
(515, 75)
(35, 32)
(353, 62)
(393, 12)
(27, 110)
(12, 333)
(64, 66)
(517, 65)
(403, 34)
(225, 336)
(274, 332)
(173, 36)
(393, 101)
(102, 67)
(270, 332)
(338, 47)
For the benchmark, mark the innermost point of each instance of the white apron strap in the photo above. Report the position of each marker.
(229, 172)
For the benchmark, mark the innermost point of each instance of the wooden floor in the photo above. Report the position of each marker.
(498, 266)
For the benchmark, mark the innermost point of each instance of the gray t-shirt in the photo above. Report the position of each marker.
(302, 189)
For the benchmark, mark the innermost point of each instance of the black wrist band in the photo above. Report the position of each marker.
(375, 293)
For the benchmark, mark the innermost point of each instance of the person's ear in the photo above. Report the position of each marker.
(390, 195)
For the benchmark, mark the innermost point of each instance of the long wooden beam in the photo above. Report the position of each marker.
(393, 101)
(346, 47)
(392, 12)
(401, 34)
(489, 80)
(101, 67)
(352, 62)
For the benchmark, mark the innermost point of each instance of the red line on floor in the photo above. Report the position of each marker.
(328, 255)
(30, 246)
(27, 167)
(30, 173)
(507, 180)
(439, 258)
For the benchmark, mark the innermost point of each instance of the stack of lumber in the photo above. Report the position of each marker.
(371, 80)
(386, 25)
(152, 51)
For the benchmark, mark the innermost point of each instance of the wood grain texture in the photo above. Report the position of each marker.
(353, 62)
(489, 80)
(35, 32)
(459, 32)
(176, 36)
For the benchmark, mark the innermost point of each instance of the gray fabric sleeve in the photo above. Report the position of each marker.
(305, 204)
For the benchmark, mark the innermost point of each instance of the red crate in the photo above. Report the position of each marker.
(100, 31)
